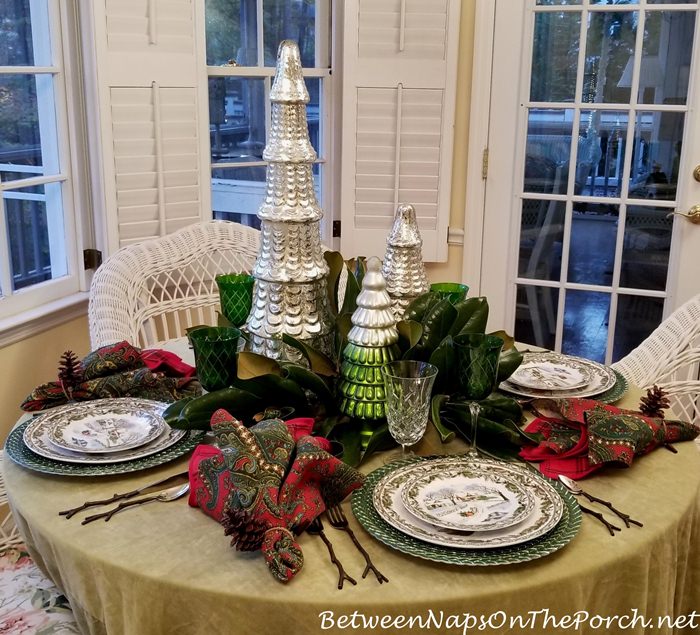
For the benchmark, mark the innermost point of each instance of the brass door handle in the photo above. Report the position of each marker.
(693, 214)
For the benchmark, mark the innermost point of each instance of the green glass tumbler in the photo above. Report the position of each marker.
(215, 355)
(236, 296)
(477, 369)
(453, 291)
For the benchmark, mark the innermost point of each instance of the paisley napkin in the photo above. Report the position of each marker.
(267, 484)
(121, 370)
(583, 435)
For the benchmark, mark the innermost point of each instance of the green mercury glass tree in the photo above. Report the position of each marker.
(372, 342)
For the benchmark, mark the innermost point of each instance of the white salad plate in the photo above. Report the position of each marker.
(561, 373)
(467, 497)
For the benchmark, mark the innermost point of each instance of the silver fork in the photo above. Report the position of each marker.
(338, 520)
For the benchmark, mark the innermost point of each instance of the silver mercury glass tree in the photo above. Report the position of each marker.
(403, 268)
(289, 295)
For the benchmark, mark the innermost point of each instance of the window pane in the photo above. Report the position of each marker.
(536, 315)
(541, 237)
(609, 49)
(313, 113)
(26, 112)
(237, 118)
(231, 32)
(555, 56)
(592, 246)
(548, 149)
(557, 2)
(237, 190)
(586, 324)
(24, 33)
(656, 155)
(35, 233)
(646, 248)
(637, 317)
(600, 156)
(290, 20)
(665, 67)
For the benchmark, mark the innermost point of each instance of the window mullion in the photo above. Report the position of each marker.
(5, 264)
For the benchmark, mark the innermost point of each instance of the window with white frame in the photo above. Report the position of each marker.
(241, 42)
(38, 262)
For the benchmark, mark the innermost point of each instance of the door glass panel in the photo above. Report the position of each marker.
(637, 317)
(609, 47)
(536, 315)
(541, 239)
(665, 66)
(558, 2)
(555, 56)
(672, 1)
(548, 150)
(646, 248)
(600, 156)
(656, 155)
(592, 246)
(586, 324)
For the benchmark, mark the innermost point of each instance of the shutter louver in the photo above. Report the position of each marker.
(150, 114)
(398, 92)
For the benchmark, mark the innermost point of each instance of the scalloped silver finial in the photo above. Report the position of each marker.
(289, 85)
(404, 231)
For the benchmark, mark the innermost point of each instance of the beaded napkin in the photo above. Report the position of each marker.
(267, 484)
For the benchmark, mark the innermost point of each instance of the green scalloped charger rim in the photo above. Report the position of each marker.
(23, 456)
(550, 542)
(616, 392)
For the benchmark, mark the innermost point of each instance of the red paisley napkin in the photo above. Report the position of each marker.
(121, 370)
(267, 484)
(583, 435)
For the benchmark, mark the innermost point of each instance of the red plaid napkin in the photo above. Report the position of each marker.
(583, 435)
(267, 484)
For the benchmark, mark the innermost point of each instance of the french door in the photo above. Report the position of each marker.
(594, 134)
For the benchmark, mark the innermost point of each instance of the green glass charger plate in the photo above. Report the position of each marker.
(550, 542)
(22, 455)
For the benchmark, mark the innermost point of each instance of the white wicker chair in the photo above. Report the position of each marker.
(670, 358)
(152, 291)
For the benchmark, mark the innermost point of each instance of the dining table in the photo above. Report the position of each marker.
(170, 569)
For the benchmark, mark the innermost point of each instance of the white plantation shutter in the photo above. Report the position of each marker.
(399, 74)
(154, 172)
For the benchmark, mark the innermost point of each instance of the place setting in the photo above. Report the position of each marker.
(99, 437)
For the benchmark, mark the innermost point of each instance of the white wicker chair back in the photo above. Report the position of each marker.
(670, 358)
(153, 291)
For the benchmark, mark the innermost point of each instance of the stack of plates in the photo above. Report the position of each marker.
(466, 510)
(105, 436)
(556, 375)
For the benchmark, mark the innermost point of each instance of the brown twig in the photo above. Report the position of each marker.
(625, 518)
(316, 529)
(611, 528)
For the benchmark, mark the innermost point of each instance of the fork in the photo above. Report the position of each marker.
(338, 520)
(316, 529)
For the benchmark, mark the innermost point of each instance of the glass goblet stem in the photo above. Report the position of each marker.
(474, 410)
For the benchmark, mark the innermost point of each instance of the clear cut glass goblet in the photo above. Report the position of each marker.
(408, 385)
(477, 368)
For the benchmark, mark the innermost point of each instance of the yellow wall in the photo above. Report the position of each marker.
(451, 270)
(34, 361)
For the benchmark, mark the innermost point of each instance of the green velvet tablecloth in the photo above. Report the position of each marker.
(168, 568)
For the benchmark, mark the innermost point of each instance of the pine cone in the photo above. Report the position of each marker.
(247, 535)
(655, 402)
(70, 371)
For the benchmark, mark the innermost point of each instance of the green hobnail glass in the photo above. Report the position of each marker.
(215, 355)
(236, 296)
(453, 291)
(477, 371)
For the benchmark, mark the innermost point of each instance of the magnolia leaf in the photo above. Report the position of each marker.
(195, 327)
(444, 358)
(419, 308)
(336, 264)
(348, 436)
(409, 334)
(318, 362)
(473, 314)
(308, 380)
(352, 290)
(435, 405)
(380, 440)
(253, 365)
(276, 391)
(222, 320)
(436, 326)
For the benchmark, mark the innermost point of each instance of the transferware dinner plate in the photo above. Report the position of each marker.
(551, 372)
(498, 553)
(105, 425)
(386, 499)
(36, 438)
(470, 495)
(602, 378)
